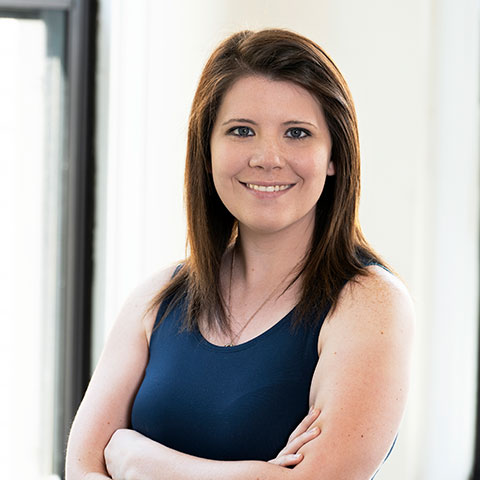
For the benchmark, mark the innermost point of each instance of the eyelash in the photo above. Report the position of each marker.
(303, 130)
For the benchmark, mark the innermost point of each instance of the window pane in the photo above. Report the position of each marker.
(32, 135)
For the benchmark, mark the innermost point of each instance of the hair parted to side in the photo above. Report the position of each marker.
(338, 248)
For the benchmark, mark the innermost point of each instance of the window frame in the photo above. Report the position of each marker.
(74, 330)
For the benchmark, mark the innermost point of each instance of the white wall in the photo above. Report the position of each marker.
(454, 174)
(150, 59)
(412, 67)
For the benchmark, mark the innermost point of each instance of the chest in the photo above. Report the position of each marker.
(225, 403)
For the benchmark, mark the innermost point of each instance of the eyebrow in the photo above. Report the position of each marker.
(298, 122)
(240, 120)
(247, 120)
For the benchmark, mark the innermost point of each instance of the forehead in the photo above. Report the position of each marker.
(262, 96)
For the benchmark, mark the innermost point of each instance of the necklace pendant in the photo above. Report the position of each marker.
(229, 344)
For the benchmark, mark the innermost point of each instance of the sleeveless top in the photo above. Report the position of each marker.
(226, 403)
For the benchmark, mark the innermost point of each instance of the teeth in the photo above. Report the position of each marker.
(270, 188)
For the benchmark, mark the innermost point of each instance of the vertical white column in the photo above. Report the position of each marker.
(452, 364)
(150, 57)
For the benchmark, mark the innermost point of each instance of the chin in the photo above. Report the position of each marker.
(271, 227)
(297, 223)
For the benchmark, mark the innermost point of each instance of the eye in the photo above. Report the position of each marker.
(297, 133)
(241, 131)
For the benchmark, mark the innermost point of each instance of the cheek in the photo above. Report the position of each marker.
(219, 172)
(223, 173)
(216, 165)
(312, 167)
(226, 163)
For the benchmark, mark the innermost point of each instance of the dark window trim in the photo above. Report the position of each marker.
(74, 328)
(81, 58)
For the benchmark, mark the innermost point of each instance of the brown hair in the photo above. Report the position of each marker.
(339, 251)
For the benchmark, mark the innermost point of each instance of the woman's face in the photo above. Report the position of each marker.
(270, 149)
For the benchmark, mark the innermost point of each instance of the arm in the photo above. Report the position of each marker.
(359, 385)
(361, 380)
(107, 402)
(135, 457)
(130, 455)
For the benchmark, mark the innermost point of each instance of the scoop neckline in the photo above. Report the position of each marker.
(249, 343)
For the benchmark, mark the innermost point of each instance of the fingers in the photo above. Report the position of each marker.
(304, 424)
(287, 460)
(289, 456)
(298, 442)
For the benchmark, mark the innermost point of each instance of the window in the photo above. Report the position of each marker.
(46, 188)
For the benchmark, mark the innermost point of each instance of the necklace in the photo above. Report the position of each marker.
(267, 299)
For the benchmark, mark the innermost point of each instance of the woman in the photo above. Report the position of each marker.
(281, 306)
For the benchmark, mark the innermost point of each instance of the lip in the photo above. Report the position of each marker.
(267, 194)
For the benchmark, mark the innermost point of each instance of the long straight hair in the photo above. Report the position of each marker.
(338, 251)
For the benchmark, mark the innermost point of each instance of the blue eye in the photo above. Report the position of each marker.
(297, 133)
(241, 131)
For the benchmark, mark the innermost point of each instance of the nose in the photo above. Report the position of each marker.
(267, 156)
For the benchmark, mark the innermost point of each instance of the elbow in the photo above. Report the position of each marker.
(78, 467)
(330, 470)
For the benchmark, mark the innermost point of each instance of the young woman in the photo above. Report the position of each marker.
(280, 348)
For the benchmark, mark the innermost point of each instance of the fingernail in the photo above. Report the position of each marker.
(311, 410)
(313, 430)
(297, 455)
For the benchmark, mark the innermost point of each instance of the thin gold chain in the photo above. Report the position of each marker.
(229, 306)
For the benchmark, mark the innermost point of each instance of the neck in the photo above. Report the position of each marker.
(267, 257)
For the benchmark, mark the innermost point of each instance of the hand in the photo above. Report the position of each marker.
(120, 454)
(289, 456)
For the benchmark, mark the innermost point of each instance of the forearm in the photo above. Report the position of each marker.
(87, 475)
(161, 463)
(84, 467)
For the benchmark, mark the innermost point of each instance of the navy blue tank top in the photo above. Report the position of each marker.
(226, 403)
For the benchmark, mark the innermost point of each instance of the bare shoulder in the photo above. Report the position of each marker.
(139, 300)
(378, 289)
(143, 293)
(379, 301)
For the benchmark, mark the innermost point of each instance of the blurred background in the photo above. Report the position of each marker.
(94, 102)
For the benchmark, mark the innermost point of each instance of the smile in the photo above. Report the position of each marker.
(267, 188)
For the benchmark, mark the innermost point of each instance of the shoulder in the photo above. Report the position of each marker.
(378, 293)
(146, 290)
(377, 303)
(136, 307)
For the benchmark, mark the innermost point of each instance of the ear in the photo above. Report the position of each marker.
(330, 168)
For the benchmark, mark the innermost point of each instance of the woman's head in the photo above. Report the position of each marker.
(338, 249)
(285, 56)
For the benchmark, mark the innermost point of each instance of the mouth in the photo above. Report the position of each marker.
(268, 188)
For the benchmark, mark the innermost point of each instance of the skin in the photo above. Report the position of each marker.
(361, 380)
(281, 139)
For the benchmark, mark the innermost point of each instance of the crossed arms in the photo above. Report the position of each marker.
(358, 389)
